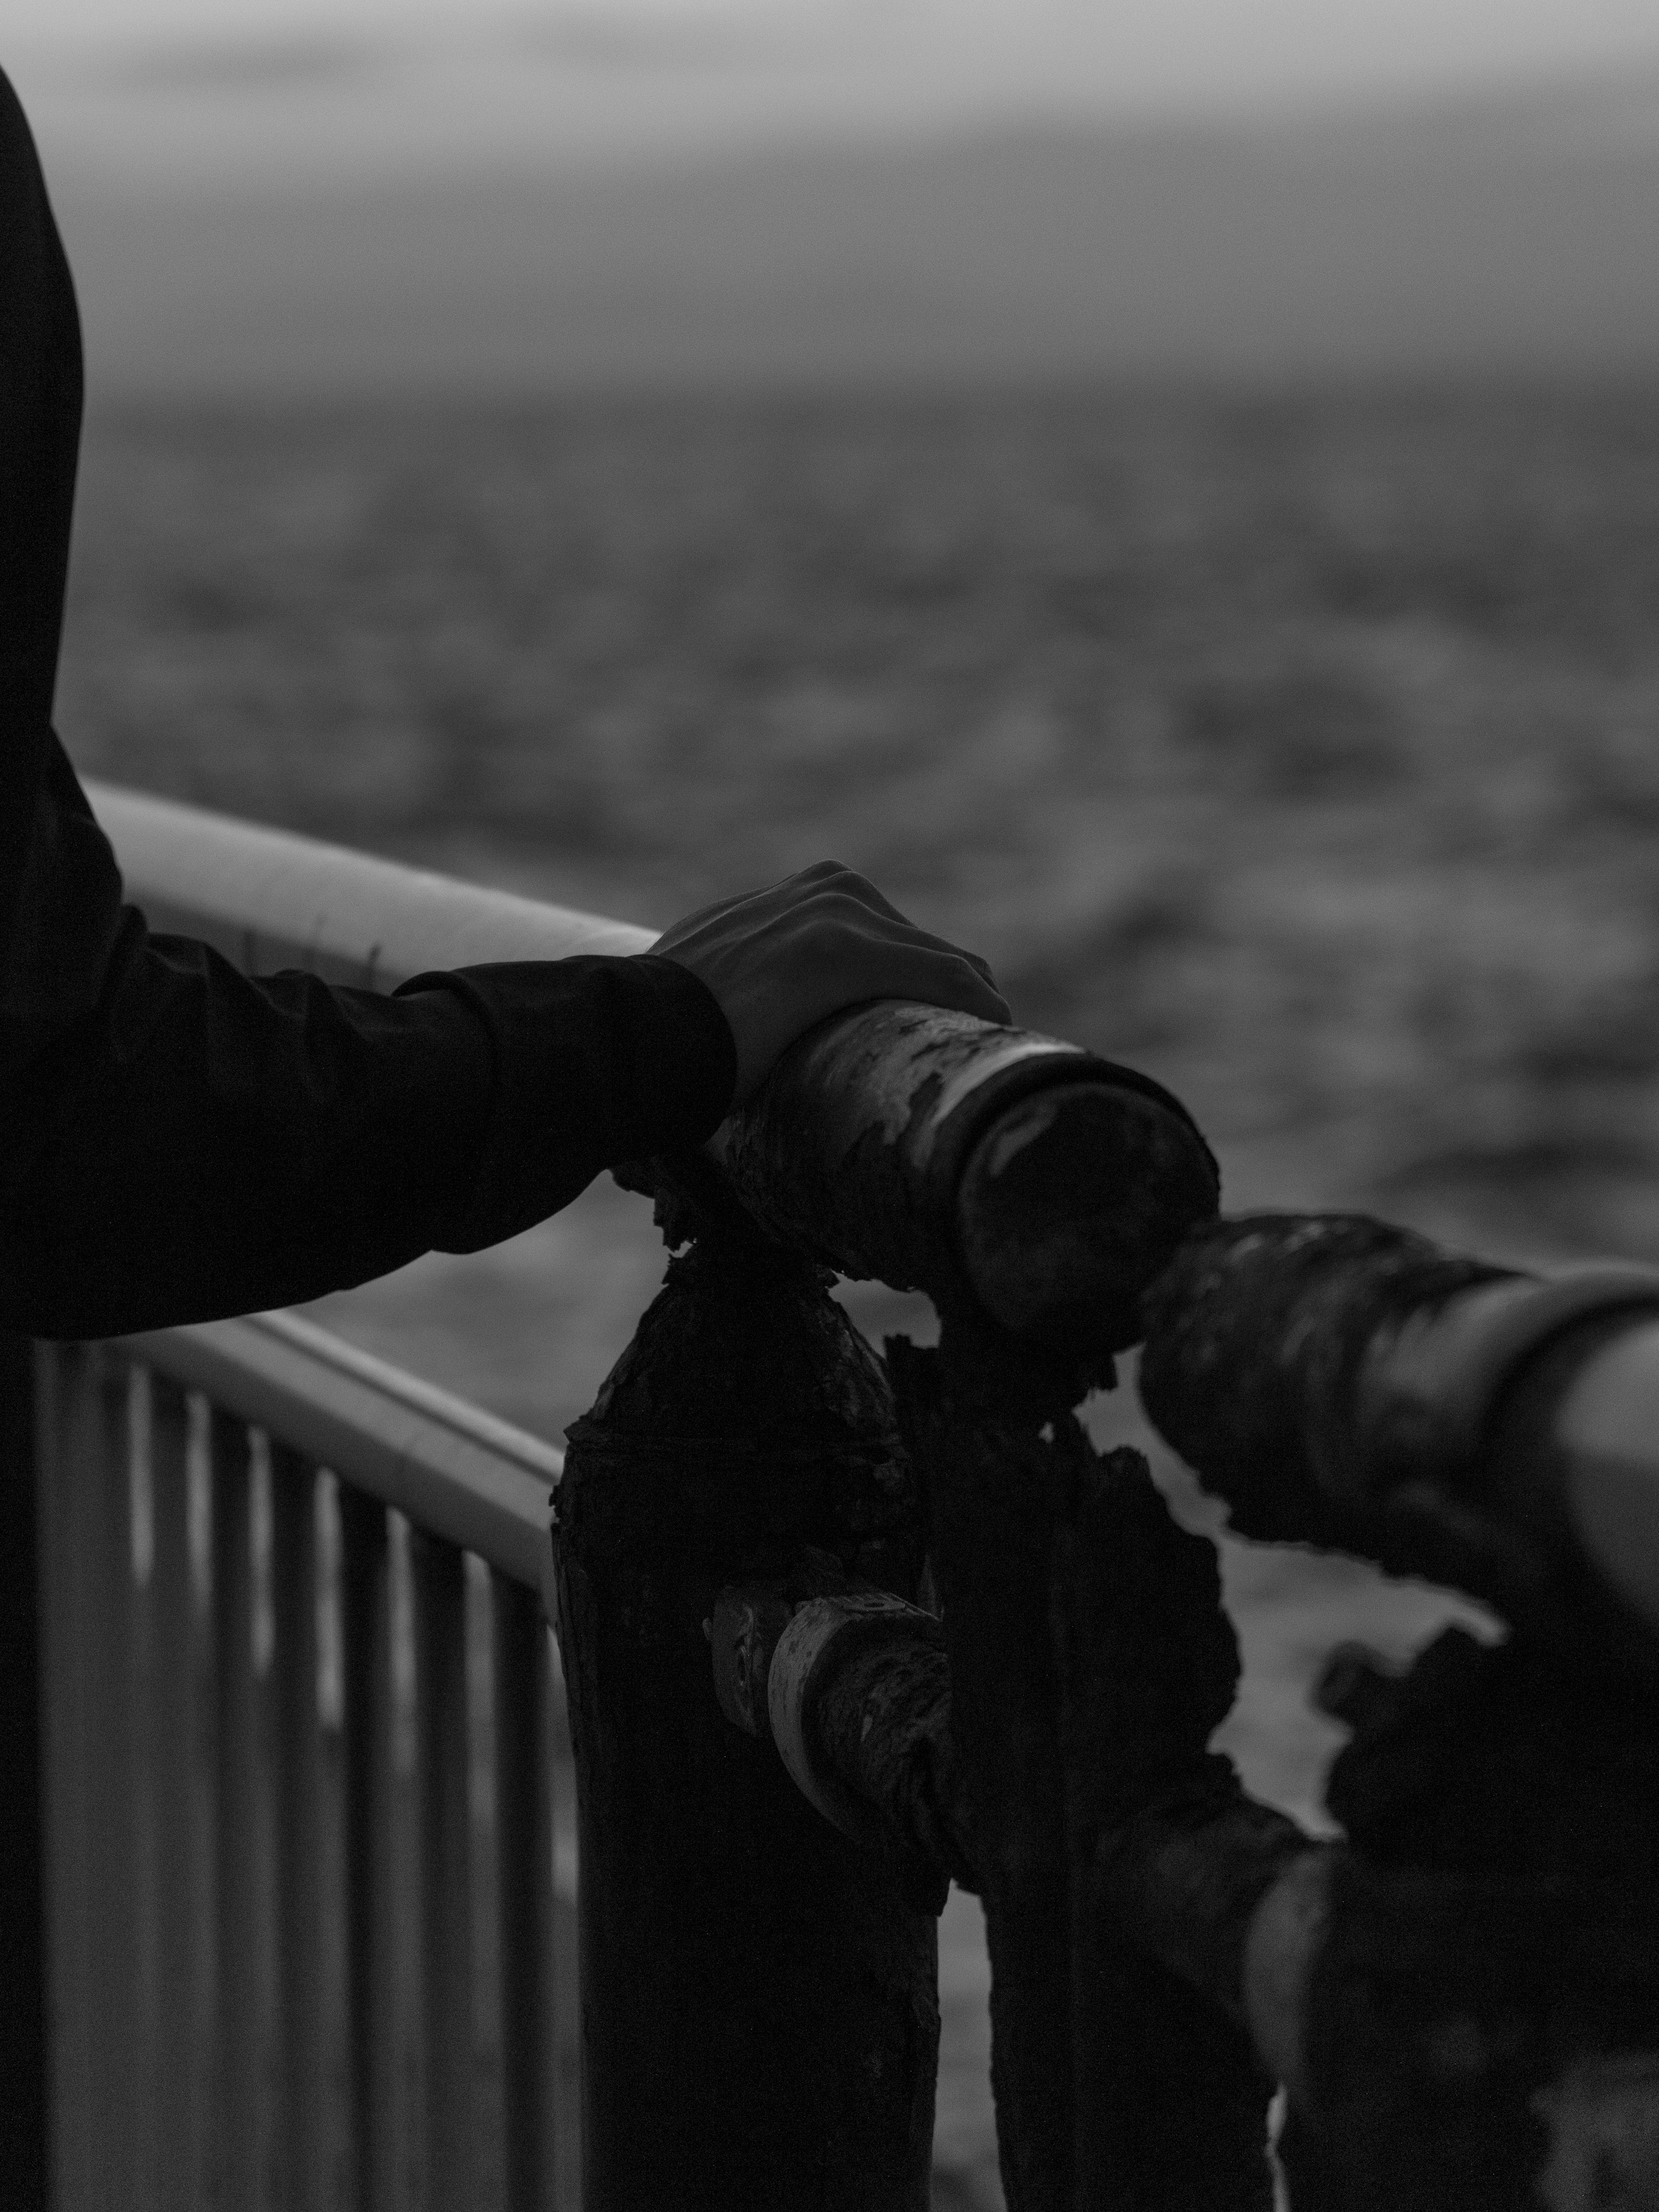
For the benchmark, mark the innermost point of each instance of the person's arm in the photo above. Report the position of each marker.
(202, 1143)
(178, 1141)
(209, 1144)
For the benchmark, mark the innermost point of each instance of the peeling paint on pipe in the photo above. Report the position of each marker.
(1013, 1177)
(1341, 1381)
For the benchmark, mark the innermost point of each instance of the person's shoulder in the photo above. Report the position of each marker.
(20, 164)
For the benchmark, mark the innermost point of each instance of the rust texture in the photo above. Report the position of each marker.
(992, 1520)
(1174, 1851)
(1169, 1859)
(1065, 1760)
(1478, 2023)
(1494, 1934)
(1255, 1335)
(1023, 1182)
(760, 2018)
(1490, 1939)
(880, 1717)
(1260, 1336)
(1166, 1860)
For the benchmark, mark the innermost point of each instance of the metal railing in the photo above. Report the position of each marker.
(299, 1701)
(671, 2030)
(298, 1687)
(267, 900)
(310, 1935)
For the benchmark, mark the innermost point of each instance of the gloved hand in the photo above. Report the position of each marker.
(780, 961)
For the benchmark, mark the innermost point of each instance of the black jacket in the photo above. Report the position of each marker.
(178, 1142)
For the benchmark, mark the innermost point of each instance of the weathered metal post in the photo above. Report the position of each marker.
(1033, 1190)
(991, 1529)
(1176, 1945)
(1465, 2001)
(760, 2020)
(1171, 2097)
(759, 2014)
(1091, 1661)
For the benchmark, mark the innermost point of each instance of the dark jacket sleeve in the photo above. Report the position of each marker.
(178, 1141)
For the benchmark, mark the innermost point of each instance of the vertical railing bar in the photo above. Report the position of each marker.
(117, 1780)
(147, 1837)
(95, 2016)
(384, 2050)
(202, 2021)
(333, 1869)
(174, 1727)
(366, 1669)
(524, 1844)
(441, 1679)
(304, 2101)
(235, 2063)
(484, 1869)
(246, 2041)
(566, 1942)
(403, 1915)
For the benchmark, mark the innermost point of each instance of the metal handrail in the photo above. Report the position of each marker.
(268, 900)
(451, 1469)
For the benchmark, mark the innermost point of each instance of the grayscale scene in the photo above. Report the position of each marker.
(1171, 496)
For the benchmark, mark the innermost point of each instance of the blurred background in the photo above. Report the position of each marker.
(1170, 491)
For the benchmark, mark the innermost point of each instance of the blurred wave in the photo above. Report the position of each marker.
(1303, 749)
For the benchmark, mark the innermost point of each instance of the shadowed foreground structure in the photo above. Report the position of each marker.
(1463, 1998)
(1460, 1999)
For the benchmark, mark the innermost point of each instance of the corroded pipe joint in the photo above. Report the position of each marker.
(1255, 1338)
(1343, 1381)
(827, 1632)
(1007, 1175)
(743, 1632)
(773, 1666)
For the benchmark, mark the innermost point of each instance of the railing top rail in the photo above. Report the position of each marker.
(268, 900)
(451, 1469)
(903, 1142)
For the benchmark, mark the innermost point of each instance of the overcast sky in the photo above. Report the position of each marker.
(290, 87)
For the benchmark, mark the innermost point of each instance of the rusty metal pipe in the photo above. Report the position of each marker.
(852, 1690)
(1342, 1382)
(863, 1726)
(1599, 1457)
(1430, 2025)
(1017, 1180)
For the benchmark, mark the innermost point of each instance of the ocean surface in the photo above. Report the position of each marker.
(1304, 751)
